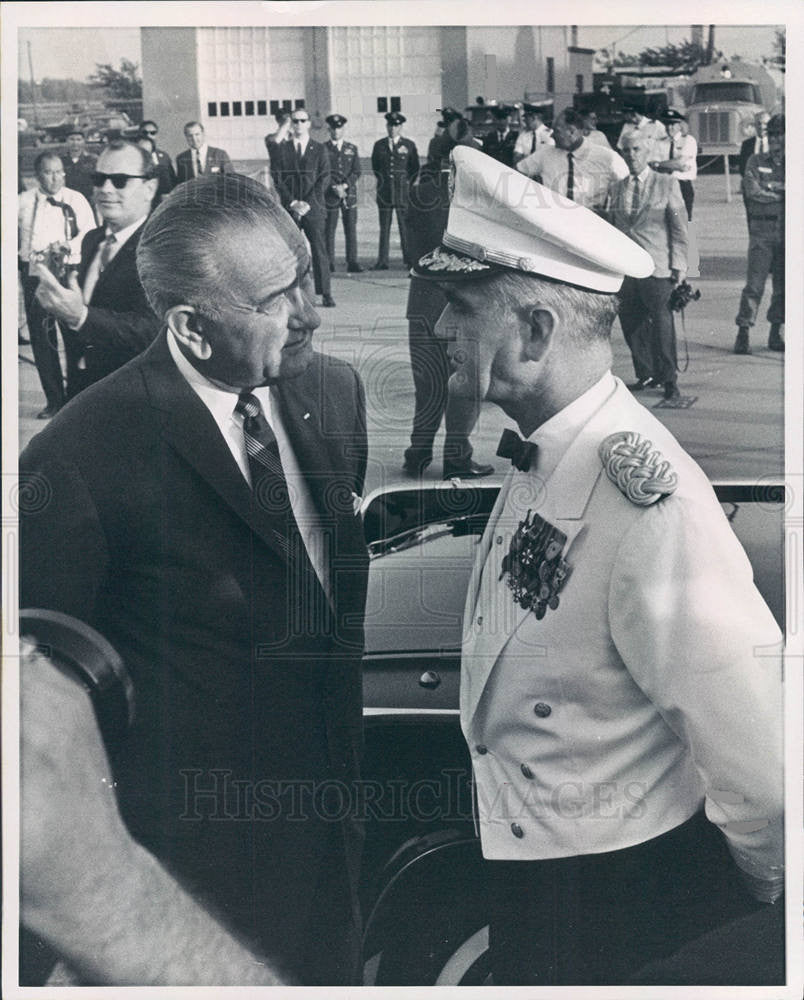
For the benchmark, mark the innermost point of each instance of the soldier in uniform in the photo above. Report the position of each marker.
(535, 133)
(764, 193)
(621, 691)
(395, 162)
(341, 196)
(501, 141)
(79, 165)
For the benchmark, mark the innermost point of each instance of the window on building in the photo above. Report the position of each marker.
(274, 107)
(579, 82)
(396, 103)
(287, 105)
(262, 107)
(224, 109)
(237, 109)
(299, 103)
(551, 75)
(249, 108)
(382, 104)
(212, 109)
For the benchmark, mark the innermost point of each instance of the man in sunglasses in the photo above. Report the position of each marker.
(149, 130)
(103, 312)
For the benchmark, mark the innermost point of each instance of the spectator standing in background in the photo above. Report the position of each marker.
(165, 186)
(149, 130)
(590, 130)
(200, 158)
(534, 134)
(78, 164)
(681, 159)
(395, 162)
(499, 143)
(282, 132)
(757, 143)
(636, 122)
(341, 196)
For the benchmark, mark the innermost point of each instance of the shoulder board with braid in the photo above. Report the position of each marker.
(637, 468)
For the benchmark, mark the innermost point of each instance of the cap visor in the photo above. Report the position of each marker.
(444, 264)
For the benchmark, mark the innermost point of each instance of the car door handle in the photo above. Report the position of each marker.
(429, 679)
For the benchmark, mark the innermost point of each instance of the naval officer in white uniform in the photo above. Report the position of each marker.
(621, 690)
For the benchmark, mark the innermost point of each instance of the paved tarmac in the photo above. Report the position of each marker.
(734, 429)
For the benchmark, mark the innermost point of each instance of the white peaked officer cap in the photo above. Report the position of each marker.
(499, 219)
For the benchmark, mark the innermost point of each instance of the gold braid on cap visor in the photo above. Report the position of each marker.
(493, 256)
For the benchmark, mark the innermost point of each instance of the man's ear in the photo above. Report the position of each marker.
(543, 323)
(185, 324)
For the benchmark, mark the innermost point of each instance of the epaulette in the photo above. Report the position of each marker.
(637, 468)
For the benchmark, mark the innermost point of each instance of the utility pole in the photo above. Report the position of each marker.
(33, 86)
(710, 48)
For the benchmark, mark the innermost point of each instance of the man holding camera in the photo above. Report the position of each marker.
(649, 207)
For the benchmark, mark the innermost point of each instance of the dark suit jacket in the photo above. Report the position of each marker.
(78, 175)
(747, 150)
(394, 173)
(501, 150)
(427, 219)
(344, 168)
(218, 162)
(119, 324)
(306, 179)
(152, 535)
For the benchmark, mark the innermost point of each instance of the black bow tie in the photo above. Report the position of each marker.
(523, 454)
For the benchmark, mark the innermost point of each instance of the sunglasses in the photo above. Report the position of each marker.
(299, 121)
(119, 180)
(148, 131)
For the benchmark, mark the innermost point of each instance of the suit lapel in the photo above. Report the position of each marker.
(88, 250)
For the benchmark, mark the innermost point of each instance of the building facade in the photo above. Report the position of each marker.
(233, 79)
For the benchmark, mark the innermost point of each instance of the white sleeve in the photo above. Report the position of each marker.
(85, 218)
(531, 165)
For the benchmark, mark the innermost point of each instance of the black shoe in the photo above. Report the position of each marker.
(741, 345)
(471, 471)
(327, 301)
(775, 342)
(379, 266)
(47, 413)
(671, 391)
(643, 383)
(414, 468)
(354, 268)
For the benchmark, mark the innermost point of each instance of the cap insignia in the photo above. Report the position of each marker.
(637, 468)
(441, 260)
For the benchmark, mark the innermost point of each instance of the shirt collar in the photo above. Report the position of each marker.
(124, 234)
(556, 435)
(642, 176)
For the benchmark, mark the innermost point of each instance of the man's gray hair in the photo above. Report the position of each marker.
(177, 259)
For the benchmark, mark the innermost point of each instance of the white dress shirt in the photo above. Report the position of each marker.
(221, 404)
(40, 223)
(530, 139)
(594, 169)
(93, 271)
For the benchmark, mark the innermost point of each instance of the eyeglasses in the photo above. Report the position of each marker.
(299, 121)
(119, 180)
(148, 131)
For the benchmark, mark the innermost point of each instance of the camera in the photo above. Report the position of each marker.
(54, 258)
(682, 295)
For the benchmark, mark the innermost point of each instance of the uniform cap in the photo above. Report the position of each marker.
(533, 109)
(500, 112)
(336, 121)
(671, 115)
(395, 118)
(499, 219)
(449, 114)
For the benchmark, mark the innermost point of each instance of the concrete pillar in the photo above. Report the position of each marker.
(170, 83)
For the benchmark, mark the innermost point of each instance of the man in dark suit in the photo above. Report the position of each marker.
(78, 164)
(500, 142)
(341, 195)
(202, 518)
(395, 162)
(300, 169)
(104, 314)
(200, 158)
(757, 143)
(164, 165)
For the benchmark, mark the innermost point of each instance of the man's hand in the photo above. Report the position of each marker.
(341, 190)
(300, 208)
(676, 275)
(66, 304)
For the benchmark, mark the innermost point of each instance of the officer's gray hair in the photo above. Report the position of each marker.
(176, 256)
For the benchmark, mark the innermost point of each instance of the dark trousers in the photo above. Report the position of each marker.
(688, 194)
(648, 327)
(349, 216)
(312, 225)
(45, 344)
(431, 371)
(765, 256)
(386, 211)
(597, 919)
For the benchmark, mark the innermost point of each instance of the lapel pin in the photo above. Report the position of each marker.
(306, 416)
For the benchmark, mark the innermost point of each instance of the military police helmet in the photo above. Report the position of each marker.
(671, 115)
(336, 121)
(449, 114)
(500, 112)
(395, 118)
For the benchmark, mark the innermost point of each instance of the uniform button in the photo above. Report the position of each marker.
(481, 749)
(517, 830)
(526, 771)
(542, 709)
(499, 539)
(480, 619)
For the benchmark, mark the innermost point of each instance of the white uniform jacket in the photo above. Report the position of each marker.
(654, 686)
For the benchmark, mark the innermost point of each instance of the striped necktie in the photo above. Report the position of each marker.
(198, 168)
(635, 201)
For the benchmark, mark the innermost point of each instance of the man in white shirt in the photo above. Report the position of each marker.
(200, 158)
(574, 167)
(621, 688)
(49, 215)
(678, 155)
(534, 134)
(590, 130)
(636, 122)
(103, 312)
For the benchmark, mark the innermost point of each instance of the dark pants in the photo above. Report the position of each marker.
(349, 216)
(765, 255)
(648, 327)
(45, 344)
(688, 194)
(386, 211)
(312, 225)
(596, 919)
(431, 371)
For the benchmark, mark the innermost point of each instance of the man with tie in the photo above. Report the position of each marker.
(202, 519)
(757, 143)
(535, 133)
(103, 312)
(149, 130)
(574, 167)
(395, 162)
(341, 196)
(500, 142)
(78, 164)
(200, 158)
(49, 215)
(621, 684)
(649, 208)
(300, 169)
(678, 155)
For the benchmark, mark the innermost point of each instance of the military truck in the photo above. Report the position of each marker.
(612, 92)
(724, 98)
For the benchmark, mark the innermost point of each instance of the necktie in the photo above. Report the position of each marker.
(570, 177)
(672, 148)
(523, 454)
(635, 200)
(533, 142)
(70, 221)
(298, 150)
(198, 168)
(106, 252)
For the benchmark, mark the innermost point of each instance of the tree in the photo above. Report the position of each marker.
(123, 83)
(780, 50)
(686, 56)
